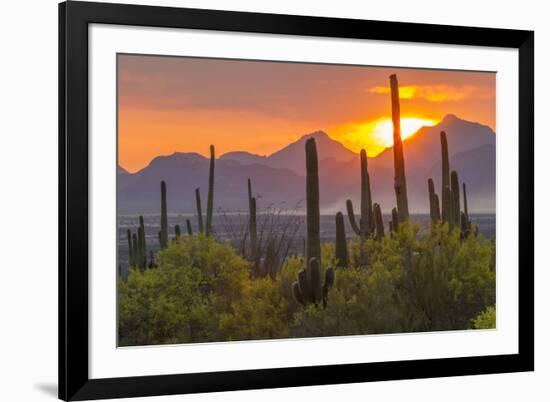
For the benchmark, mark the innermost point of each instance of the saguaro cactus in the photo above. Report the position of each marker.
(313, 243)
(436, 208)
(310, 288)
(366, 222)
(253, 234)
(379, 223)
(143, 251)
(445, 179)
(210, 202)
(140, 256)
(464, 226)
(189, 228)
(432, 198)
(163, 216)
(177, 231)
(456, 198)
(131, 261)
(467, 216)
(448, 206)
(199, 209)
(135, 249)
(400, 183)
(341, 243)
(394, 220)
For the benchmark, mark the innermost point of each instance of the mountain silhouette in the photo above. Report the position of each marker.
(279, 179)
(292, 156)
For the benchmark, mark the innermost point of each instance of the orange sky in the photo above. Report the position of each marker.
(169, 104)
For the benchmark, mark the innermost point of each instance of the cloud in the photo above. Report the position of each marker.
(437, 93)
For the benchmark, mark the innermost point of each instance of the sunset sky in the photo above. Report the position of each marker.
(179, 104)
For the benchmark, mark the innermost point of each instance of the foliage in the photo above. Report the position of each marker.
(487, 319)
(202, 291)
(196, 282)
(410, 285)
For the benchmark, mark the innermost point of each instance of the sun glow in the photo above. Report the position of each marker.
(381, 130)
(376, 135)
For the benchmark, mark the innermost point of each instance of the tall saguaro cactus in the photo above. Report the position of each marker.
(400, 181)
(341, 243)
(313, 244)
(445, 179)
(210, 202)
(199, 209)
(366, 222)
(309, 287)
(163, 216)
(189, 228)
(253, 234)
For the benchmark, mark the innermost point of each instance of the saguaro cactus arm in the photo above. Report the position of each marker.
(310, 288)
(351, 216)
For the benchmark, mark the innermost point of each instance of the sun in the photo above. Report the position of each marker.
(380, 131)
(376, 135)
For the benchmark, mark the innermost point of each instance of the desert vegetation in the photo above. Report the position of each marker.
(199, 288)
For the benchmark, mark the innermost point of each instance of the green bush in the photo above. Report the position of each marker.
(487, 319)
(409, 285)
(202, 291)
(197, 281)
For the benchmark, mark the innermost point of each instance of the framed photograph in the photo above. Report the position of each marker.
(257, 200)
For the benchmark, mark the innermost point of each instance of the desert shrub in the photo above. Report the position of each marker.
(202, 291)
(197, 280)
(409, 285)
(259, 314)
(487, 319)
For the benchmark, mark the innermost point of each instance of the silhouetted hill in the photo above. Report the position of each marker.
(292, 156)
(278, 179)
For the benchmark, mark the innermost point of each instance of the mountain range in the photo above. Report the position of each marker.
(279, 179)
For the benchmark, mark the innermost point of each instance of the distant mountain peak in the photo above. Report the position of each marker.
(319, 134)
(449, 118)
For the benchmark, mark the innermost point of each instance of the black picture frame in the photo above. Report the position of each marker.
(74, 18)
